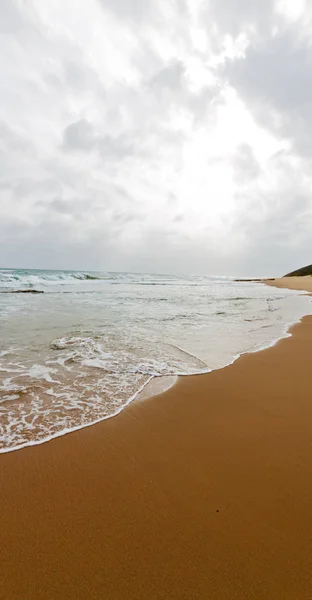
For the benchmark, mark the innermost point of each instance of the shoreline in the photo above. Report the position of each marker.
(168, 502)
(156, 385)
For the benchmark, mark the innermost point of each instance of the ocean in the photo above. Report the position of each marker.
(82, 350)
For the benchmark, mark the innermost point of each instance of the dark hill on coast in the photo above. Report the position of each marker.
(300, 272)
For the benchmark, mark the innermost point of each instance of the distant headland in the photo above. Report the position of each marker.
(303, 272)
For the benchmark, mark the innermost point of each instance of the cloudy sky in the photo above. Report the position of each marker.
(156, 135)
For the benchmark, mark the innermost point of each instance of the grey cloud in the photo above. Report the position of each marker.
(276, 227)
(28, 188)
(246, 167)
(18, 161)
(11, 19)
(30, 246)
(138, 11)
(26, 245)
(74, 207)
(238, 16)
(11, 140)
(70, 75)
(117, 147)
(79, 135)
(81, 76)
(82, 136)
(169, 77)
(275, 80)
(81, 231)
(130, 9)
(187, 255)
(170, 87)
(122, 218)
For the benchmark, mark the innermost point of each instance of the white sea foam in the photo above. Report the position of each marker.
(70, 360)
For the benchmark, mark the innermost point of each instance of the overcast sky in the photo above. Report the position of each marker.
(156, 135)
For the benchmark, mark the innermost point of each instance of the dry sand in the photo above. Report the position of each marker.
(294, 283)
(203, 492)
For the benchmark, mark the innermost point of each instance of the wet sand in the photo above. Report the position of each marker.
(203, 492)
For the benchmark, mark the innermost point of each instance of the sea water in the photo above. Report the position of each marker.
(79, 352)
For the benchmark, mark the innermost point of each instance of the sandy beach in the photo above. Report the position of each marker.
(293, 283)
(202, 492)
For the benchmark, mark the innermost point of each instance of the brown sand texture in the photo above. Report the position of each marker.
(203, 492)
(293, 283)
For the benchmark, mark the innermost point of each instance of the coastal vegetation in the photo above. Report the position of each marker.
(303, 272)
